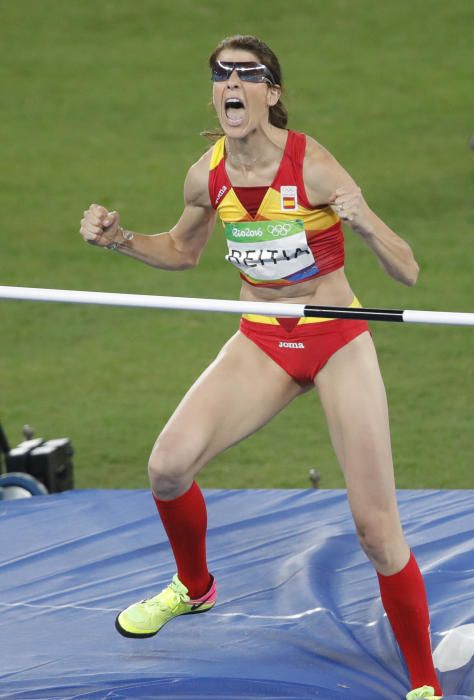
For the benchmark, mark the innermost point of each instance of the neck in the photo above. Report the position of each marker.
(259, 146)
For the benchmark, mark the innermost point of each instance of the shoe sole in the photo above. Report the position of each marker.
(145, 635)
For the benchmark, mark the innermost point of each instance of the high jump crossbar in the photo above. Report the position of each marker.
(148, 301)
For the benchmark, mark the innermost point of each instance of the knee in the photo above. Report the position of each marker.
(381, 537)
(172, 465)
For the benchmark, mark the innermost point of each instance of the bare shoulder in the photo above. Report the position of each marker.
(196, 189)
(322, 173)
(316, 155)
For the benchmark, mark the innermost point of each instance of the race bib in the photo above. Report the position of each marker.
(269, 251)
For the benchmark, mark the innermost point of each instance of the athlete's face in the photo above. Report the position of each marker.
(242, 106)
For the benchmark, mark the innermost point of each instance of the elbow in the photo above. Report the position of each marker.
(191, 261)
(416, 273)
(175, 265)
(186, 264)
(410, 277)
(406, 273)
(184, 258)
(411, 268)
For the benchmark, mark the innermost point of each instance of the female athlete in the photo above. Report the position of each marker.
(281, 197)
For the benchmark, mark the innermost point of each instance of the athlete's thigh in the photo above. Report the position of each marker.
(238, 393)
(354, 401)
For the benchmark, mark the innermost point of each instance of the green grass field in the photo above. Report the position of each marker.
(103, 101)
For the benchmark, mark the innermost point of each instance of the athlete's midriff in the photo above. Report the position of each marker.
(332, 289)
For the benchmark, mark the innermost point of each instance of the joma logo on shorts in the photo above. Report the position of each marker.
(292, 346)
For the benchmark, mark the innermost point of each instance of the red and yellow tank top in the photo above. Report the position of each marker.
(286, 240)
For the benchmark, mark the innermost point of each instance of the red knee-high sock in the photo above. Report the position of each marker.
(185, 522)
(404, 600)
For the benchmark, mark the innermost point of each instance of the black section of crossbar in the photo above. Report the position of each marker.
(361, 314)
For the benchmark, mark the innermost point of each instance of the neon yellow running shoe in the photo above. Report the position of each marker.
(146, 618)
(425, 691)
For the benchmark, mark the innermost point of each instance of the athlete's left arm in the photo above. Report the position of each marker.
(327, 182)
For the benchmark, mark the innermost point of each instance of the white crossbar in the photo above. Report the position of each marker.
(151, 302)
(231, 306)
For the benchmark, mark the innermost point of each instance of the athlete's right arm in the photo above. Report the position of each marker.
(177, 249)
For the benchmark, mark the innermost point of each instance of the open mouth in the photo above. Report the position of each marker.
(234, 111)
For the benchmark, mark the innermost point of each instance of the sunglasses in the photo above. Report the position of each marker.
(250, 71)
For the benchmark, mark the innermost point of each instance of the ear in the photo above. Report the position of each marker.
(273, 95)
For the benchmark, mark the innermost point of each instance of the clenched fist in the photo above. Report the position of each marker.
(101, 227)
(347, 203)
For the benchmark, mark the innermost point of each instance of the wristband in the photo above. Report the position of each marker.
(126, 236)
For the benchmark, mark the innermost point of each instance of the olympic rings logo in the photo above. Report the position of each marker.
(279, 229)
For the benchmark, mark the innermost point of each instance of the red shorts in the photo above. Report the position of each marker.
(303, 351)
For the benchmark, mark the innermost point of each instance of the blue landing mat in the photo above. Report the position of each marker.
(298, 615)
